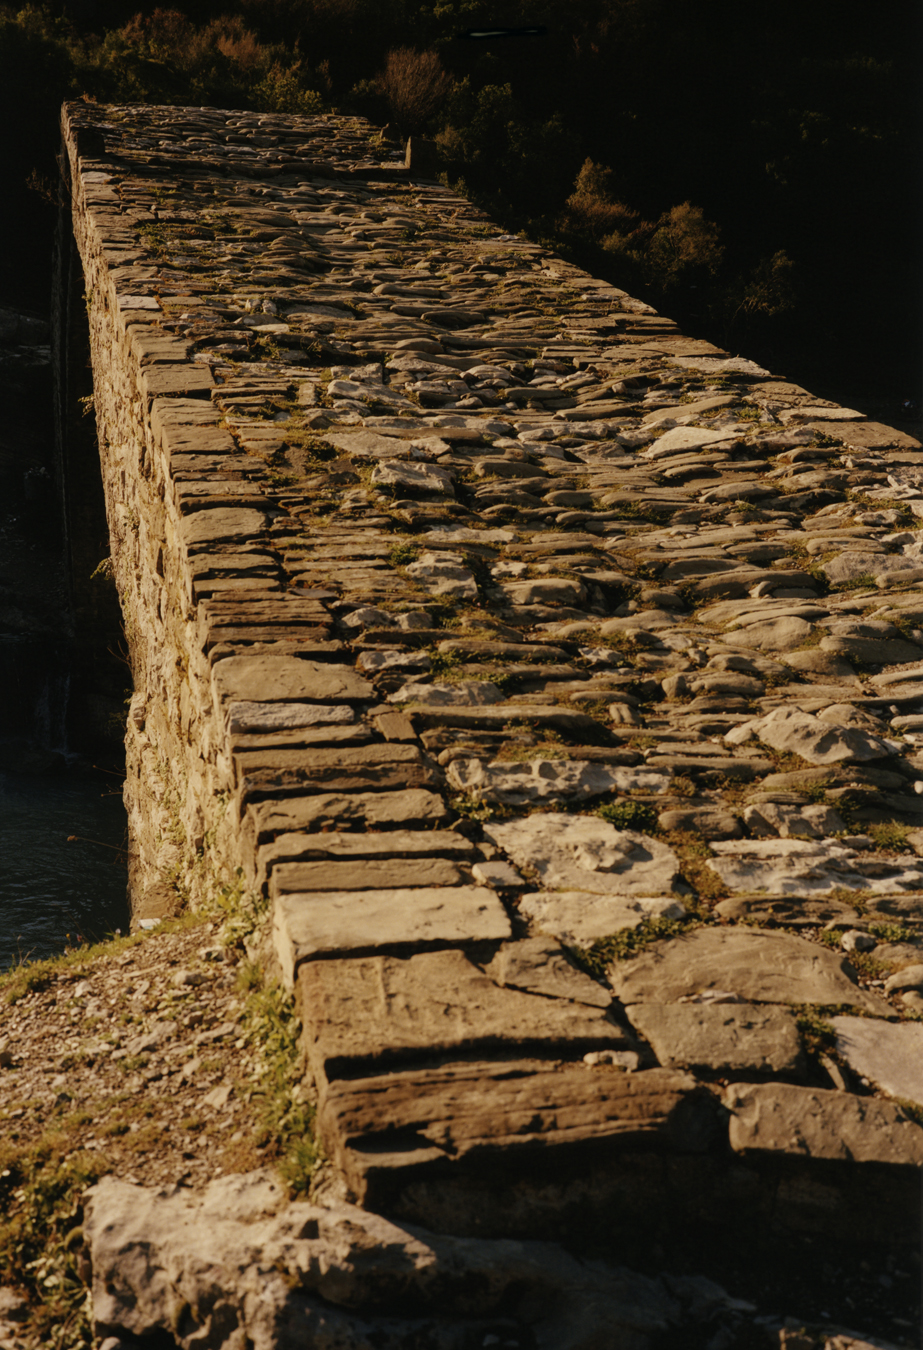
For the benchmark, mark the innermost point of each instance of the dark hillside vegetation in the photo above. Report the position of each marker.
(750, 170)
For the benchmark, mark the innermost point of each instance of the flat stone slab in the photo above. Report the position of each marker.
(809, 867)
(691, 438)
(328, 923)
(289, 1275)
(272, 679)
(360, 809)
(204, 528)
(538, 780)
(362, 874)
(410, 844)
(584, 853)
(814, 1123)
(817, 741)
(444, 574)
(441, 694)
(854, 565)
(412, 477)
(369, 444)
(380, 1129)
(382, 764)
(757, 965)
(731, 1037)
(539, 966)
(889, 1054)
(581, 918)
(256, 717)
(376, 1010)
(791, 911)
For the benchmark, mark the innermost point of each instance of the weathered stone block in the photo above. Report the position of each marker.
(385, 1129)
(727, 1037)
(327, 924)
(268, 679)
(758, 965)
(814, 1123)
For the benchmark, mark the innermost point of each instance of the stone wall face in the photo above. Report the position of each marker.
(173, 771)
(555, 678)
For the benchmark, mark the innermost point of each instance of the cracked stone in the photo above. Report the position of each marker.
(731, 1038)
(549, 780)
(583, 853)
(759, 965)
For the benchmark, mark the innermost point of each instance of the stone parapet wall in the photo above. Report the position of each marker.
(554, 677)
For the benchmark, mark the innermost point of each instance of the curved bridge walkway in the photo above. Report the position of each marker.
(555, 679)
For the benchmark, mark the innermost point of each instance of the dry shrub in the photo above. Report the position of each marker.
(240, 45)
(592, 213)
(679, 248)
(684, 240)
(414, 85)
(168, 35)
(163, 33)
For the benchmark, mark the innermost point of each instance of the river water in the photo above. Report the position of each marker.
(55, 890)
(63, 868)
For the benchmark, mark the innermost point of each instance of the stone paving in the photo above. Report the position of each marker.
(557, 680)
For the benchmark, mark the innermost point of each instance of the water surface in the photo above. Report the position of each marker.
(55, 893)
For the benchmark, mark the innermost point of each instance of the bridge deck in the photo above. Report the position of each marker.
(554, 677)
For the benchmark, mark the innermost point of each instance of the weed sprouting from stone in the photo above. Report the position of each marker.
(629, 815)
(286, 1127)
(402, 554)
(889, 835)
(818, 1035)
(629, 942)
(41, 1241)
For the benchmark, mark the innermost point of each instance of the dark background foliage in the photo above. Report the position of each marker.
(751, 170)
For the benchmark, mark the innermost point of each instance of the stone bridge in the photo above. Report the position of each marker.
(551, 681)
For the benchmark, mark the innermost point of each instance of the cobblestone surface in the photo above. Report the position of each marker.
(521, 641)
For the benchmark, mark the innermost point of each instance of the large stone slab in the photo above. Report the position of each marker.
(810, 867)
(889, 1054)
(867, 435)
(379, 1130)
(581, 918)
(387, 847)
(360, 921)
(186, 378)
(378, 1010)
(363, 810)
(691, 438)
(587, 854)
(362, 874)
(442, 694)
(262, 717)
(814, 1123)
(205, 528)
(727, 1037)
(291, 846)
(854, 566)
(369, 444)
(349, 767)
(236, 1263)
(539, 966)
(444, 574)
(789, 911)
(817, 741)
(539, 780)
(757, 965)
(425, 478)
(272, 679)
